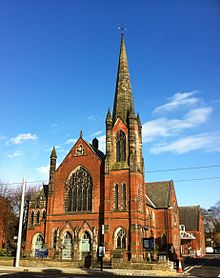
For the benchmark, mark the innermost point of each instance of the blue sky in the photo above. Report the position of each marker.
(58, 65)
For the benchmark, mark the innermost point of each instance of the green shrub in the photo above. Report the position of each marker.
(3, 252)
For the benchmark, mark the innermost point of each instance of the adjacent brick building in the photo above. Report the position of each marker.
(192, 231)
(95, 200)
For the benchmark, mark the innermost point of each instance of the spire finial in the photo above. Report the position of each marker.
(123, 101)
(81, 134)
(53, 153)
(122, 28)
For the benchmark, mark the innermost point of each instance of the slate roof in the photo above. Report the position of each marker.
(159, 193)
(189, 216)
(42, 194)
(99, 153)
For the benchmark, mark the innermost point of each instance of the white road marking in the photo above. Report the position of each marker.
(188, 269)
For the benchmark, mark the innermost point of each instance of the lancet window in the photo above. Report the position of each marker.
(116, 196)
(124, 196)
(38, 217)
(120, 146)
(120, 239)
(32, 217)
(79, 191)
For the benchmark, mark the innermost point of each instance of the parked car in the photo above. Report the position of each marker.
(209, 250)
(217, 250)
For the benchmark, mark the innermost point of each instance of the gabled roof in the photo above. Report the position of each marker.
(158, 193)
(189, 216)
(40, 195)
(99, 153)
(96, 151)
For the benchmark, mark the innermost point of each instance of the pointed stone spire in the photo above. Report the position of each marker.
(139, 120)
(53, 160)
(123, 102)
(53, 153)
(108, 116)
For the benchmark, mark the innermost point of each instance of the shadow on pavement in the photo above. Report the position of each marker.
(203, 261)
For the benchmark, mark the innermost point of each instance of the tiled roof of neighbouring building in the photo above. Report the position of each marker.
(189, 216)
(159, 193)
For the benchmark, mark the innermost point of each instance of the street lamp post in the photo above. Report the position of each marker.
(18, 252)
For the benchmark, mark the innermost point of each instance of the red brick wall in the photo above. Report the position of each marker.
(57, 216)
(197, 245)
(166, 223)
(3, 219)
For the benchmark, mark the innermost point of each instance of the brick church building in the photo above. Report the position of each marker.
(95, 199)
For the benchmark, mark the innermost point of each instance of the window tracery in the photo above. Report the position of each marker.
(120, 146)
(121, 239)
(79, 191)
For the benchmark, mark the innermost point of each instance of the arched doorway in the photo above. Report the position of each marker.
(67, 246)
(86, 243)
(37, 244)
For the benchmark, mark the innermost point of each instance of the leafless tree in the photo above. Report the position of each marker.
(211, 219)
(10, 202)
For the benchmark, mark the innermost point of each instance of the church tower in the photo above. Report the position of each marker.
(124, 170)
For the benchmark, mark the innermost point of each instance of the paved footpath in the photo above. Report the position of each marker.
(105, 272)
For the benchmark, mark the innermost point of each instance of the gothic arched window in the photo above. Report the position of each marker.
(79, 191)
(124, 196)
(32, 217)
(120, 146)
(163, 241)
(116, 196)
(44, 215)
(55, 239)
(120, 239)
(38, 217)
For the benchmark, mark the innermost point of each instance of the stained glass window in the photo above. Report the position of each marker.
(79, 191)
(120, 146)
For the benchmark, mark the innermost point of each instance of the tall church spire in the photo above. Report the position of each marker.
(123, 102)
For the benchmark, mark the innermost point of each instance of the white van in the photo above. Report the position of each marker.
(209, 250)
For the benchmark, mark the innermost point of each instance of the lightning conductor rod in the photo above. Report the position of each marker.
(122, 29)
(18, 252)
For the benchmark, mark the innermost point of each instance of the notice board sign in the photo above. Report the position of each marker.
(148, 243)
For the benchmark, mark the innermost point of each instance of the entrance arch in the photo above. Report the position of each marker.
(37, 243)
(86, 243)
(67, 246)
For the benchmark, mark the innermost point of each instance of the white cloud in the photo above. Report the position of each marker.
(15, 154)
(205, 142)
(71, 141)
(2, 138)
(44, 170)
(102, 143)
(155, 128)
(177, 100)
(91, 118)
(53, 125)
(21, 138)
(97, 133)
(164, 127)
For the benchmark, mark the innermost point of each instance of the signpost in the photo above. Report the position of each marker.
(101, 249)
(148, 243)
